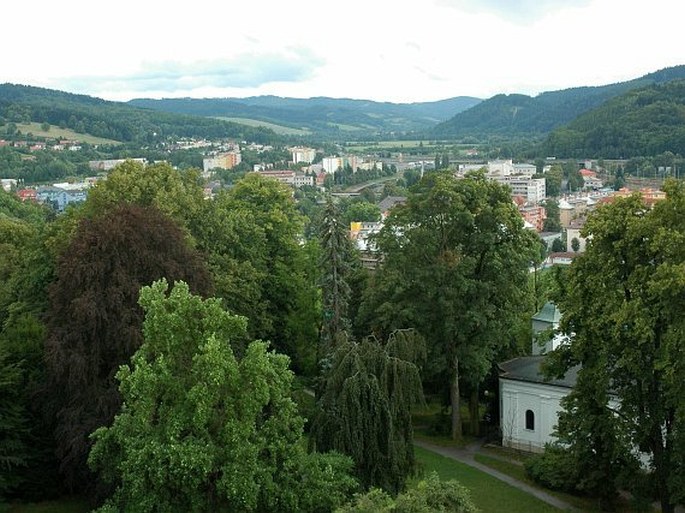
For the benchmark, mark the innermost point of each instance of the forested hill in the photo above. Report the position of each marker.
(322, 116)
(518, 115)
(642, 122)
(113, 120)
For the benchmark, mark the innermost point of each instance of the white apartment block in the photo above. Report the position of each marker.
(333, 164)
(306, 155)
(532, 189)
(223, 160)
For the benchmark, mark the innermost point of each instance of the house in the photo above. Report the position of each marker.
(389, 202)
(27, 195)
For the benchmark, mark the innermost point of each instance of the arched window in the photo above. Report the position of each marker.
(530, 420)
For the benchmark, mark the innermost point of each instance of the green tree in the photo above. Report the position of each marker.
(623, 303)
(365, 408)
(263, 233)
(553, 219)
(553, 180)
(175, 193)
(455, 267)
(360, 211)
(201, 430)
(94, 322)
(558, 245)
(575, 244)
(336, 266)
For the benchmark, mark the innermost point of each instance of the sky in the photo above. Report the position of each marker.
(383, 50)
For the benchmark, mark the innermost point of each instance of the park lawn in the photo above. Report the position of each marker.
(488, 493)
(66, 505)
(518, 472)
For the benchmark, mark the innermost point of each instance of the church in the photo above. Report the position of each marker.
(529, 403)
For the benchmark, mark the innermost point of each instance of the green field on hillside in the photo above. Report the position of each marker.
(279, 129)
(56, 132)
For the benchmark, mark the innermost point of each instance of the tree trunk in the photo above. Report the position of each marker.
(474, 412)
(454, 401)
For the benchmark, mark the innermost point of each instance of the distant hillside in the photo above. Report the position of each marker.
(113, 120)
(518, 115)
(641, 122)
(322, 116)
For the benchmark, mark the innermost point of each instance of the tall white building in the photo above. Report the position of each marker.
(306, 155)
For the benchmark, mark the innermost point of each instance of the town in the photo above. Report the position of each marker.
(202, 315)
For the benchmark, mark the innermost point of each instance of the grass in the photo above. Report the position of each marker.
(56, 132)
(488, 493)
(279, 129)
(66, 505)
(517, 471)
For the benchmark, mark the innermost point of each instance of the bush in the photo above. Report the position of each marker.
(435, 496)
(373, 501)
(553, 469)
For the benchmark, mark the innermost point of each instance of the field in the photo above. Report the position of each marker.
(279, 129)
(56, 132)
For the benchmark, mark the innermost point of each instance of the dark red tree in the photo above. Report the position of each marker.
(94, 321)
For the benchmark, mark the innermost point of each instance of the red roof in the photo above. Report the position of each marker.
(587, 173)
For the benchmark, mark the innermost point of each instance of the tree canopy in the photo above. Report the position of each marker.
(456, 260)
(201, 430)
(623, 304)
(94, 322)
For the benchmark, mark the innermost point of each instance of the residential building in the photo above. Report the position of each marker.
(59, 197)
(306, 155)
(108, 165)
(535, 215)
(8, 184)
(27, 195)
(226, 160)
(289, 177)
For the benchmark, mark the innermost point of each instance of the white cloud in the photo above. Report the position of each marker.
(380, 49)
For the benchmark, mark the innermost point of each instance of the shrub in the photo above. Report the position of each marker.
(553, 469)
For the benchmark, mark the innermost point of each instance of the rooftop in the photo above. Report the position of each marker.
(529, 369)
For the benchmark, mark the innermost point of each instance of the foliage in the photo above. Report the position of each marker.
(114, 120)
(201, 430)
(252, 236)
(525, 116)
(455, 267)
(94, 323)
(365, 408)
(373, 501)
(553, 180)
(553, 469)
(336, 265)
(323, 116)
(177, 194)
(623, 302)
(13, 425)
(432, 495)
(642, 122)
(552, 221)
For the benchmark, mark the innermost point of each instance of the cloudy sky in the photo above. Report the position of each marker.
(384, 50)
